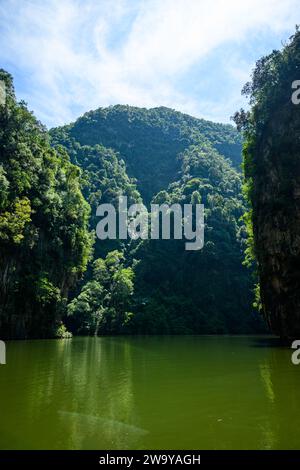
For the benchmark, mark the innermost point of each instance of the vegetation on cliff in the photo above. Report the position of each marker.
(272, 185)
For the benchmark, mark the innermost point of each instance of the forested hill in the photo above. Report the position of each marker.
(156, 286)
(150, 140)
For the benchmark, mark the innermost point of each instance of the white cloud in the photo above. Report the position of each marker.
(83, 54)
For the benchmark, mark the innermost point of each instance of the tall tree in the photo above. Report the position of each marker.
(272, 185)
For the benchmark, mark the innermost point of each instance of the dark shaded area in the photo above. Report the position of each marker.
(272, 172)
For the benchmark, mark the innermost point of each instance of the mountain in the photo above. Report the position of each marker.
(160, 155)
(150, 140)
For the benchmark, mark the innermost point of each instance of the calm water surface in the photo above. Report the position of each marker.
(149, 393)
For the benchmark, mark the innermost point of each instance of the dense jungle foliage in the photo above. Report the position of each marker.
(150, 140)
(169, 158)
(45, 244)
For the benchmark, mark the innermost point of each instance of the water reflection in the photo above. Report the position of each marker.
(149, 392)
(281, 384)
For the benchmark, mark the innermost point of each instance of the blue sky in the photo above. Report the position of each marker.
(70, 56)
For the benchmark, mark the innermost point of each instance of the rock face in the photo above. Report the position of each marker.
(276, 222)
(272, 171)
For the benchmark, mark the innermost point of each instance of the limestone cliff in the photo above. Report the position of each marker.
(272, 183)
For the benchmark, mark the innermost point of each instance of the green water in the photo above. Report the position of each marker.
(149, 393)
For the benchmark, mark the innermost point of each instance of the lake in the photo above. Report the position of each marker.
(167, 392)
